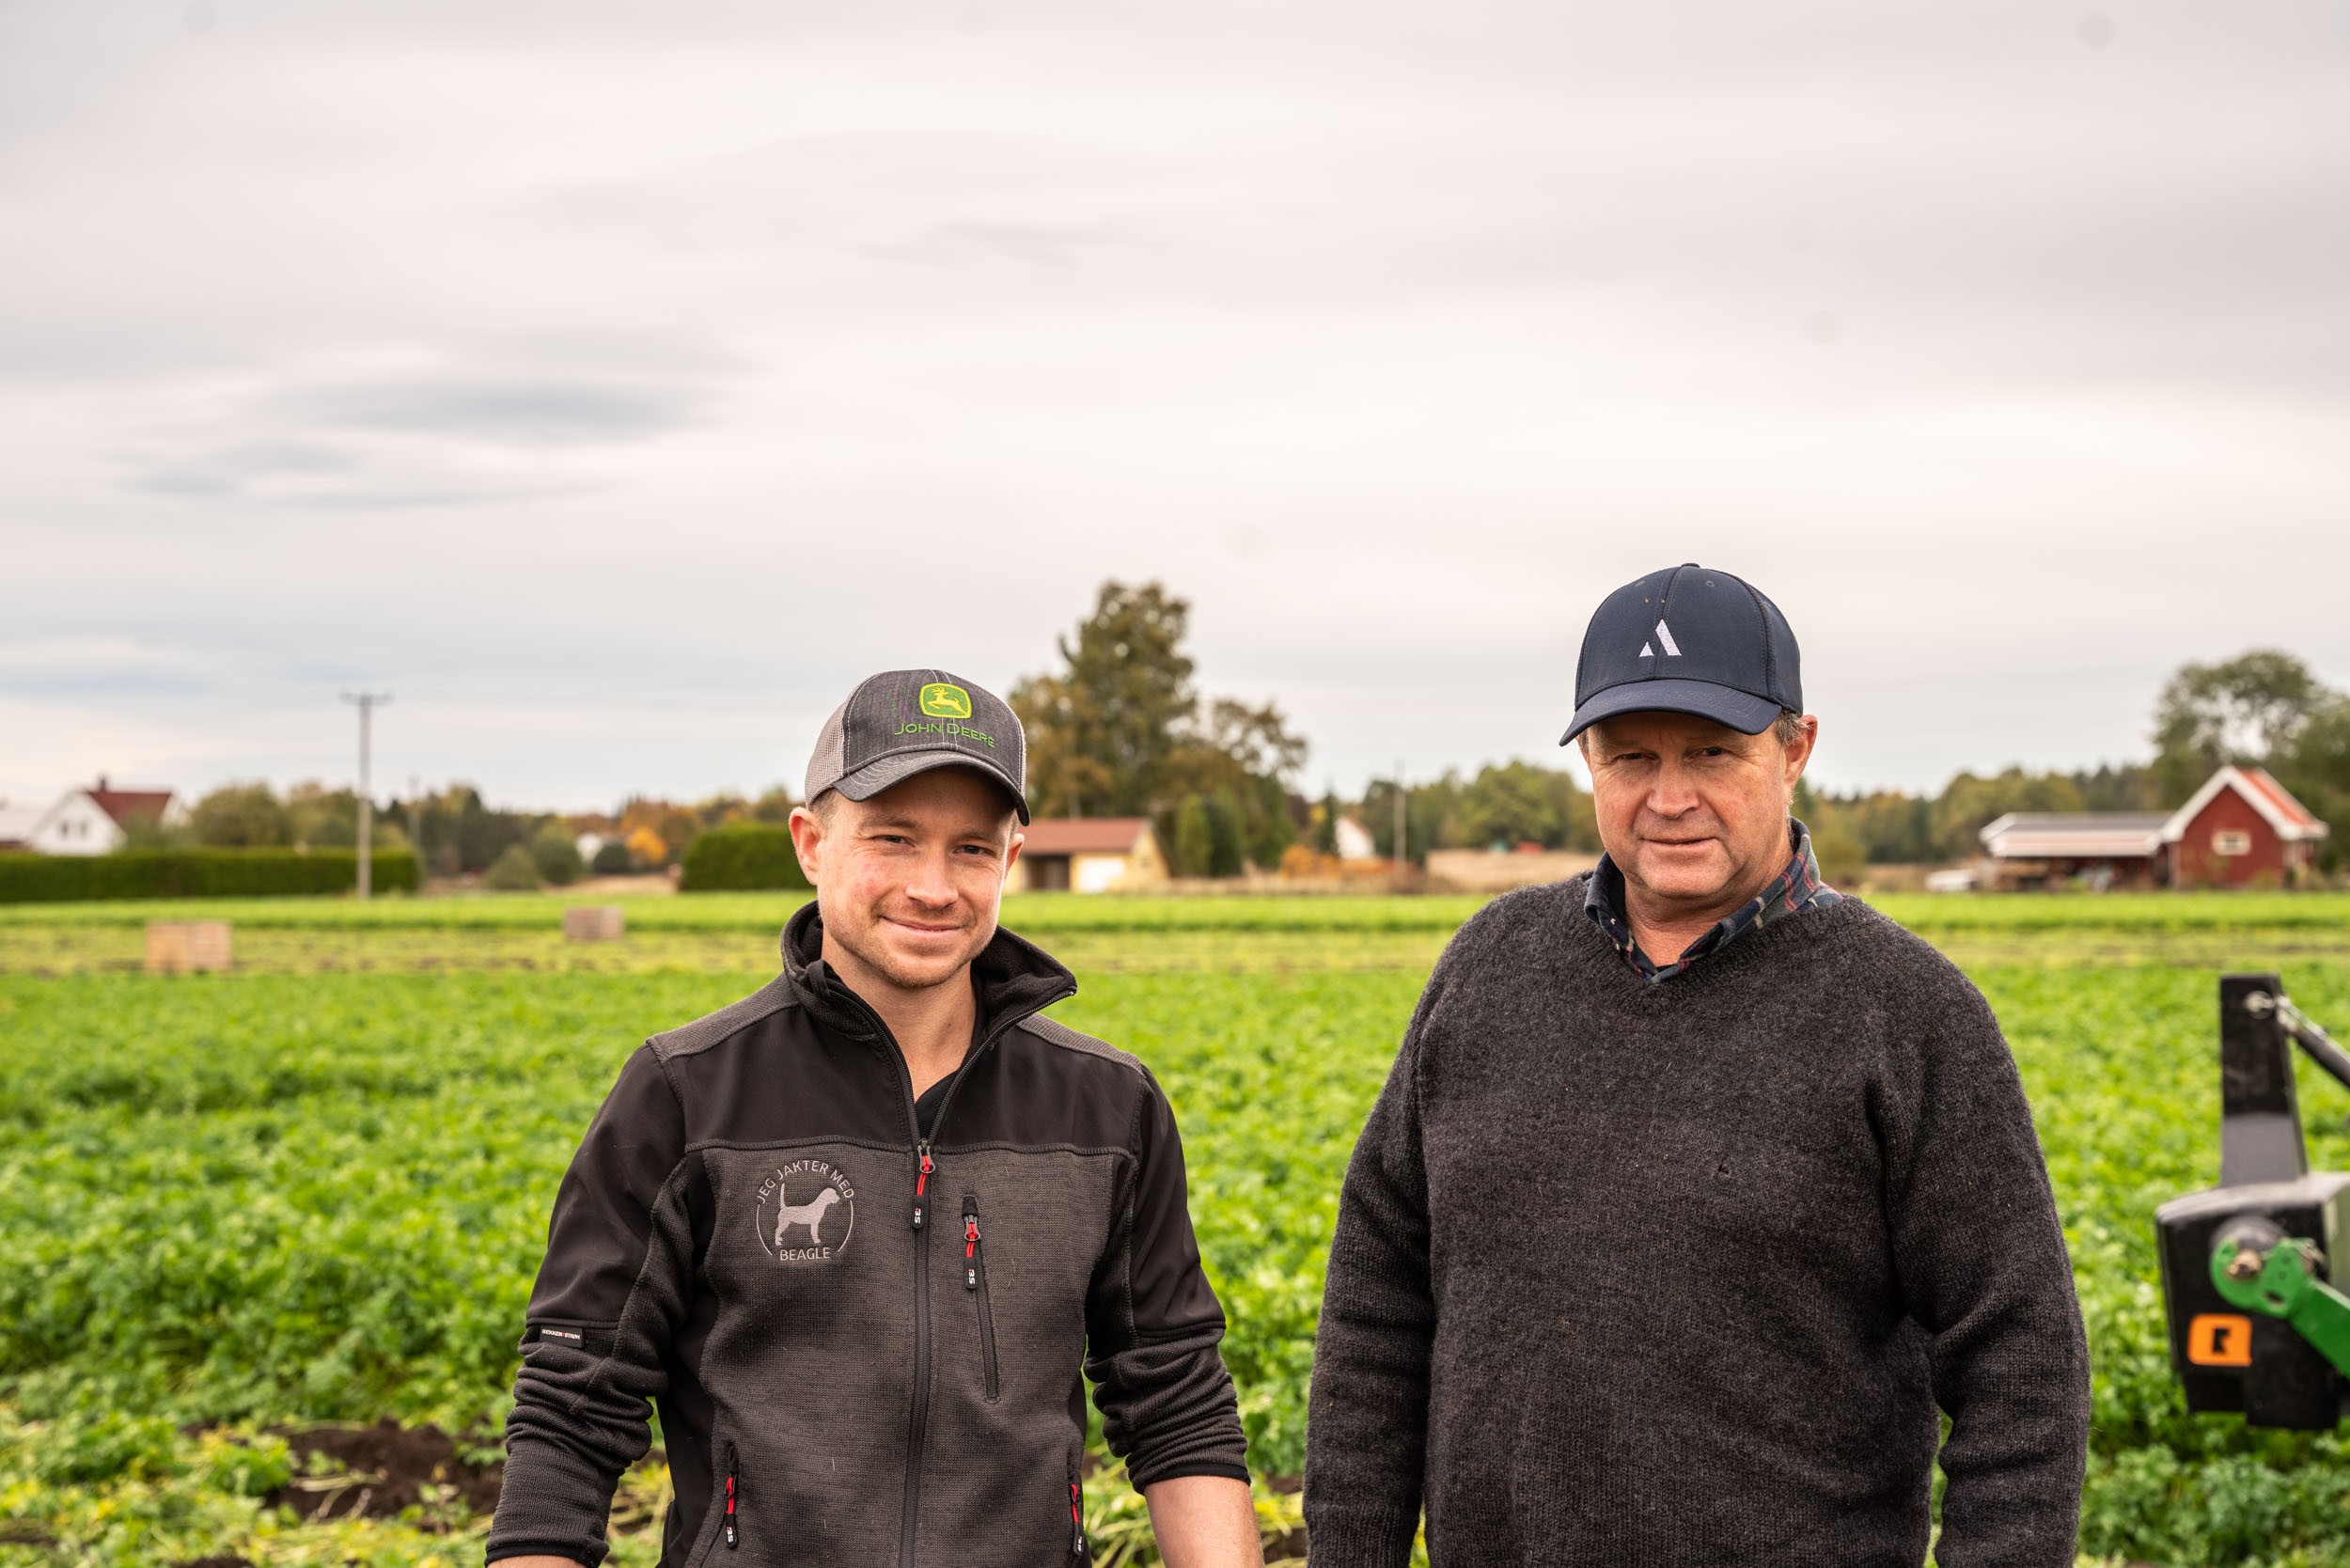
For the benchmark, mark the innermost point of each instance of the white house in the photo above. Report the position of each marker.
(1355, 841)
(94, 821)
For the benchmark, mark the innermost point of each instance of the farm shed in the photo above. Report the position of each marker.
(2241, 829)
(2040, 849)
(1088, 855)
(95, 821)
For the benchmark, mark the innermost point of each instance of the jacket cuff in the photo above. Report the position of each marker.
(505, 1549)
(552, 1501)
(1194, 1468)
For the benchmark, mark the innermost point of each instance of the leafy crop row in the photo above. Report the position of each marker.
(2140, 915)
(1042, 914)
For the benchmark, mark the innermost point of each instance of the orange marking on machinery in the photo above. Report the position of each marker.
(2219, 1340)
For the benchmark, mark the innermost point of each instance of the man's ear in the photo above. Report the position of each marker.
(807, 841)
(1799, 751)
(1011, 855)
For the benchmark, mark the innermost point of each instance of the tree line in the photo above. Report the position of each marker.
(2262, 708)
(457, 835)
(1119, 729)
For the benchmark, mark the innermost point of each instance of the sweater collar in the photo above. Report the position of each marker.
(1798, 887)
(1013, 976)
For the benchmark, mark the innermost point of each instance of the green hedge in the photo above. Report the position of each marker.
(741, 858)
(196, 873)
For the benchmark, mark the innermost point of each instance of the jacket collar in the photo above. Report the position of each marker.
(1014, 976)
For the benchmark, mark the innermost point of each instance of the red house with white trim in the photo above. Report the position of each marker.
(2240, 829)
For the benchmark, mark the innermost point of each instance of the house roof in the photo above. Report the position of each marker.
(127, 805)
(2076, 835)
(2291, 819)
(1083, 835)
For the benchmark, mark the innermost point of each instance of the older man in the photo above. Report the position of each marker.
(1696, 1190)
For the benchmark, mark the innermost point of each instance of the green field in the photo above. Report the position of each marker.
(315, 1190)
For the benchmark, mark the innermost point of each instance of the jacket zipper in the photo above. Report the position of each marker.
(1076, 1514)
(975, 1279)
(919, 1423)
(734, 1535)
(924, 1167)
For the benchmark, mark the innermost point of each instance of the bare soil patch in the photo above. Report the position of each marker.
(384, 1470)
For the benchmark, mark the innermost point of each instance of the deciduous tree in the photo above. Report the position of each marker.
(2247, 709)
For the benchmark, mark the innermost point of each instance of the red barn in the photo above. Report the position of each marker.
(2241, 829)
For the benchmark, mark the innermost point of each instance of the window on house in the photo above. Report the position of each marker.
(2227, 841)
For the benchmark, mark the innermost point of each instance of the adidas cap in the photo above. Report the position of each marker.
(1688, 641)
(908, 721)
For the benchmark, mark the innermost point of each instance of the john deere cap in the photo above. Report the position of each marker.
(1688, 641)
(908, 721)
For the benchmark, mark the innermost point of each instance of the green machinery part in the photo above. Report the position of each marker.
(2286, 1282)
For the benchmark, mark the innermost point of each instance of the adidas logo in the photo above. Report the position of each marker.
(1665, 636)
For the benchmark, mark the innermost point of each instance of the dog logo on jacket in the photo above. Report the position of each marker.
(817, 1228)
(810, 1214)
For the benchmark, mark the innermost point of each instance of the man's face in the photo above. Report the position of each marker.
(1693, 812)
(910, 882)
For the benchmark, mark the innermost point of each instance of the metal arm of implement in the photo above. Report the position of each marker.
(2282, 1279)
(2319, 1047)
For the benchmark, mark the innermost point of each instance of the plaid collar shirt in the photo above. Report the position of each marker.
(1796, 889)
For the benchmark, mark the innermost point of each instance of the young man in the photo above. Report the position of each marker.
(859, 1233)
(1696, 1190)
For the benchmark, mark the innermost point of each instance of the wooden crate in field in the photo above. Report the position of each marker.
(183, 947)
(592, 922)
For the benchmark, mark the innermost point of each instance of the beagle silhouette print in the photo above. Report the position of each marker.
(817, 1228)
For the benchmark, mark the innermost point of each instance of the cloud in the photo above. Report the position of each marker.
(509, 412)
(410, 440)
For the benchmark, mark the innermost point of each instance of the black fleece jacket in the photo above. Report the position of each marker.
(866, 1346)
(1631, 1274)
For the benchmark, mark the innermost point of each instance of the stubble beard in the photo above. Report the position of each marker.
(868, 941)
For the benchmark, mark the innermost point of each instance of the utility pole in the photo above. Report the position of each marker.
(367, 702)
(1402, 823)
(416, 827)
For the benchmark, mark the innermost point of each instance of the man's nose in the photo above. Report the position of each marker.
(1672, 794)
(930, 884)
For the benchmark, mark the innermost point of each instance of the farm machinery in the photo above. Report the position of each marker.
(2251, 1268)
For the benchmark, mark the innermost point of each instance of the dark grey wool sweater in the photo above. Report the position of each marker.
(1678, 1275)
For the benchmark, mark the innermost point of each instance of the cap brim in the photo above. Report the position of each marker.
(899, 766)
(1743, 712)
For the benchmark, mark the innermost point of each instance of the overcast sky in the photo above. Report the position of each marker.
(618, 384)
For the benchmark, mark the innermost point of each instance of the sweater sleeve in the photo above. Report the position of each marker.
(1979, 1254)
(1152, 1323)
(1367, 1417)
(610, 1292)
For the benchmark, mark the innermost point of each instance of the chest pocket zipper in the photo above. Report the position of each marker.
(974, 1280)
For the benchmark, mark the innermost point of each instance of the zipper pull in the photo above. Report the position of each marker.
(970, 1244)
(733, 1536)
(1076, 1521)
(921, 1180)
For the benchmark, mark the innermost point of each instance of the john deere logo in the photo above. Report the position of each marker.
(941, 700)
